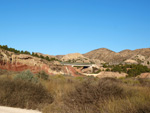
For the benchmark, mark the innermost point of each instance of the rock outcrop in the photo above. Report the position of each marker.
(130, 61)
(75, 57)
(144, 75)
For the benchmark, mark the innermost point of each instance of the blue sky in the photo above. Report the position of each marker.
(68, 26)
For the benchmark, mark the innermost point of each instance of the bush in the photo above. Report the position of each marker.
(137, 70)
(107, 95)
(23, 94)
(144, 82)
(107, 69)
(26, 76)
(132, 70)
(89, 95)
(43, 75)
(138, 102)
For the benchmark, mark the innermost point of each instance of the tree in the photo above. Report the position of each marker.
(33, 54)
(41, 56)
(117, 69)
(107, 69)
(5, 47)
(26, 52)
(47, 58)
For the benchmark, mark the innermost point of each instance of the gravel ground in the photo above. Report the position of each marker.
(16, 110)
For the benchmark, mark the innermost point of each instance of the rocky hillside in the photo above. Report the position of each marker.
(20, 62)
(105, 55)
(35, 62)
(75, 57)
(15, 60)
(137, 56)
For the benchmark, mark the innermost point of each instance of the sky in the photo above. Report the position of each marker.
(59, 27)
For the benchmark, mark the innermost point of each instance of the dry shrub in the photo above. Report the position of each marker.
(92, 95)
(144, 81)
(87, 96)
(6, 73)
(138, 102)
(23, 94)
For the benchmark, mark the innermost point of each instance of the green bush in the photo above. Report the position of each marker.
(137, 70)
(117, 68)
(26, 76)
(107, 69)
(132, 70)
(43, 75)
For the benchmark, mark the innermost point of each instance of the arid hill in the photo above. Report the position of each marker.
(20, 62)
(139, 55)
(105, 55)
(75, 57)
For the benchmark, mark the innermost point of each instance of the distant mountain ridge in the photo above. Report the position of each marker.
(97, 56)
(110, 56)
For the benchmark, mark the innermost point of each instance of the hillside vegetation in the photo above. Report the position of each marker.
(5, 47)
(132, 70)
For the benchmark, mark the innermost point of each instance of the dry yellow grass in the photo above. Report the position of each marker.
(87, 94)
(135, 97)
(137, 102)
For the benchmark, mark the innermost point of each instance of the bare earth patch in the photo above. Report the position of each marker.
(16, 110)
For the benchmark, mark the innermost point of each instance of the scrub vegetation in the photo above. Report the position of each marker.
(66, 94)
(132, 70)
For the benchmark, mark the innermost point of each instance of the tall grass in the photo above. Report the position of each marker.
(139, 102)
(65, 94)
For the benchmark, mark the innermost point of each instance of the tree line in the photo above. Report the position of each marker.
(5, 47)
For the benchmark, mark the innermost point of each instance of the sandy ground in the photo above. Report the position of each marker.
(16, 110)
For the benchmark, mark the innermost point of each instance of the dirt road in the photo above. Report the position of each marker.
(16, 110)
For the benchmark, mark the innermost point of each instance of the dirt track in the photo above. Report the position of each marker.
(16, 110)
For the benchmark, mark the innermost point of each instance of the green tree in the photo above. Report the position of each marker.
(107, 69)
(41, 56)
(47, 58)
(117, 69)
